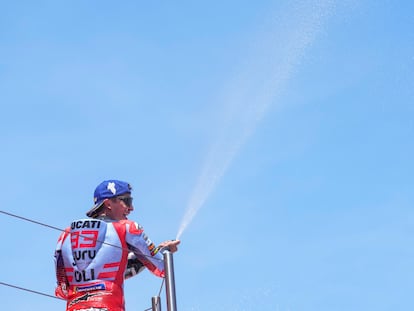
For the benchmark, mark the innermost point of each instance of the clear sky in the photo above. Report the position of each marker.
(274, 138)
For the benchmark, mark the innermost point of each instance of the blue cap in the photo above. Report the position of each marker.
(106, 190)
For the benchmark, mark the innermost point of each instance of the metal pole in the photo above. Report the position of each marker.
(169, 281)
(156, 303)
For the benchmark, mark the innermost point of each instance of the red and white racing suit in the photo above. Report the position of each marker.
(91, 257)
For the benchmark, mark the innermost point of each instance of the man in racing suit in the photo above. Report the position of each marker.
(94, 255)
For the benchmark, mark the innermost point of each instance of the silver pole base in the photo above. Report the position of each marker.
(156, 303)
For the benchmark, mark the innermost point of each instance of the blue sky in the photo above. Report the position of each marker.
(285, 127)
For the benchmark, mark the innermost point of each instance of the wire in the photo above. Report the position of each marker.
(159, 293)
(162, 284)
(51, 296)
(55, 228)
(30, 220)
(29, 290)
(62, 230)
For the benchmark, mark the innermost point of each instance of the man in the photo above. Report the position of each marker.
(94, 255)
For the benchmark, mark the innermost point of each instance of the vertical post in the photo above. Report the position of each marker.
(156, 303)
(169, 281)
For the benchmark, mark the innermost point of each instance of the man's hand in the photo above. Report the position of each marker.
(171, 245)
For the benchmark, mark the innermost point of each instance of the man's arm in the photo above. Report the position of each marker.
(62, 285)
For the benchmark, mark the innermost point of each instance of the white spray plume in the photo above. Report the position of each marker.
(248, 98)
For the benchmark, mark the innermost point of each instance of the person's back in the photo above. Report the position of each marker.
(92, 255)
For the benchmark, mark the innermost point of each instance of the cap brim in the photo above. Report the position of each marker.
(94, 210)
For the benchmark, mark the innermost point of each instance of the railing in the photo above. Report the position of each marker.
(169, 285)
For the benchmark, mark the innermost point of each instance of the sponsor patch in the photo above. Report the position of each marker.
(81, 289)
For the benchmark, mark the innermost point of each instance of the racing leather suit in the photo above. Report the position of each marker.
(91, 258)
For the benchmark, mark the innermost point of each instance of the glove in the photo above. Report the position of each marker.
(134, 266)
